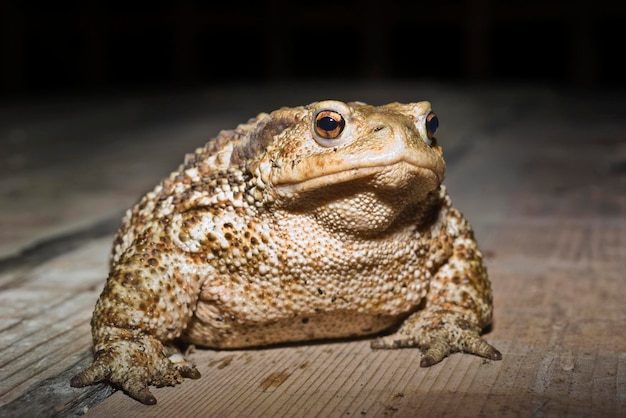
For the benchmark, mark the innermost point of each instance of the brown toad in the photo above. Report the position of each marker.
(313, 222)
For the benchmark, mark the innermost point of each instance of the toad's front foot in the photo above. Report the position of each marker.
(438, 335)
(133, 365)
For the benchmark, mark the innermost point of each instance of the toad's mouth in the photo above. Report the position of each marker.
(397, 175)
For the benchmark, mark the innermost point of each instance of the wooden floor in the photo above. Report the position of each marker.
(540, 173)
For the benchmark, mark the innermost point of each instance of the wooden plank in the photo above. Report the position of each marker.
(557, 270)
(47, 317)
(539, 175)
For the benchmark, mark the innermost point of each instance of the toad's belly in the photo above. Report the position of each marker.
(224, 332)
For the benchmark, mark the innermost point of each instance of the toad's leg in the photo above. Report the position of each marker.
(458, 307)
(145, 303)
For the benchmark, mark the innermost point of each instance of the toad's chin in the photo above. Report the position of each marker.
(364, 203)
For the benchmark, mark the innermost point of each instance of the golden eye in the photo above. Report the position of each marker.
(432, 123)
(329, 124)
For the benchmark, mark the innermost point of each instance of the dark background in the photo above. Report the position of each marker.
(100, 46)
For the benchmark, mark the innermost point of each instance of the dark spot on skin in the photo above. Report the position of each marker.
(333, 299)
(463, 324)
(228, 236)
(153, 261)
(305, 320)
(320, 291)
(468, 301)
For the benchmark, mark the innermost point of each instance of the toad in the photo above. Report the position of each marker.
(316, 222)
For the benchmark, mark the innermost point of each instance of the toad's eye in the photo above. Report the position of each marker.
(432, 123)
(329, 124)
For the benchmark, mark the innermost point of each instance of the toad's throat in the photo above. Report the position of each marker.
(396, 175)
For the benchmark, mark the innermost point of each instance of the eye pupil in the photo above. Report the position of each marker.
(327, 123)
(432, 123)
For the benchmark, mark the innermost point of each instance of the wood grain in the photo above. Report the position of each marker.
(539, 173)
